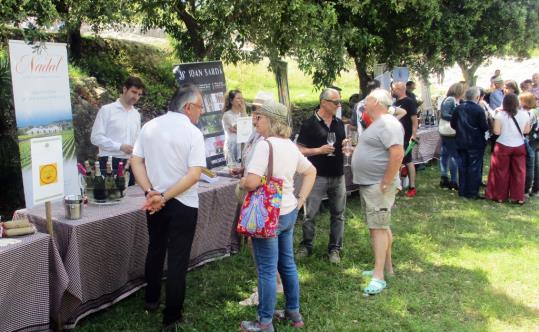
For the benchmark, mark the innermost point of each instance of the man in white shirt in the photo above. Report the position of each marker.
(117, 125)
(167, 161)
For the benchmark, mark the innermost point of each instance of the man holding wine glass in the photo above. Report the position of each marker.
(320, 140)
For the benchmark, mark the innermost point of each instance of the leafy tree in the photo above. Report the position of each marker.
(367, 32)
(96, 13)
(473, 31)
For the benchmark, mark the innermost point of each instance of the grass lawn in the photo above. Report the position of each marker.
(461, 265)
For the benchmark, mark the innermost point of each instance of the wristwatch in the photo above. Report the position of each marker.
(148, 191)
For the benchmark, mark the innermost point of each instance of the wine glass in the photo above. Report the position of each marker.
(331, 140)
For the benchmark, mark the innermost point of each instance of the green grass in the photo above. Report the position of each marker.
(461, 265)
(251, 78)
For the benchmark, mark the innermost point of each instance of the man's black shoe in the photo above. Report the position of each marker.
(151, 306)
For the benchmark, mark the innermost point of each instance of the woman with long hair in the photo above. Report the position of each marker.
(234, 109)
(508, 161)
(449, 156)
(277, 254)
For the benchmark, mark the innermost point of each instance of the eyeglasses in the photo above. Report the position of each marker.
(334, 102)
(197, 105)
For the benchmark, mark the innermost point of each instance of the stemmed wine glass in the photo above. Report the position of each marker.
(331, 140)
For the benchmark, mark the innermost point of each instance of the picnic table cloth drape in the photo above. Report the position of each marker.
(99, 259)
(24, 284)
(429, 145)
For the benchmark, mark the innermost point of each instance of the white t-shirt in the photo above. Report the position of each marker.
(287, 160)
(170, 144)
(510, 136)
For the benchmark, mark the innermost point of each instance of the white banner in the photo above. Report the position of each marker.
(43, 106)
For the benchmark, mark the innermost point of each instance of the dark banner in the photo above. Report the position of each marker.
(210, 79)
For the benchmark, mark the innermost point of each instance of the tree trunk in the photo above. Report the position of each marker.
(469, 73)
(361, 68)
(280, 70)
(74, 40)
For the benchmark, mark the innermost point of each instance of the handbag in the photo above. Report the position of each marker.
(445, 129)
(444, 126)
(259, 215)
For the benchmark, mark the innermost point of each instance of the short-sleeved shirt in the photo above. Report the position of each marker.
(510, 135)
(287, 160)
(170, 144)
(411, 109)
(371, 156)
(496, 98)
(313, 134)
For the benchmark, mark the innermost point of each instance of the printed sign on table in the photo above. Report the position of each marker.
(47, 168)
(245, 128)
(43, 109)
(209, 77)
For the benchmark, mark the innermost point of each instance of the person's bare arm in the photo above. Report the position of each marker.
(396, 153)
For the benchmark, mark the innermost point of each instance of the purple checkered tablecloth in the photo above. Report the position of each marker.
(24, 283)
(429, 145)
(99, 259)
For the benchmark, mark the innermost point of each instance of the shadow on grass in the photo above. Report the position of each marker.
(429, 293)
(423, 296)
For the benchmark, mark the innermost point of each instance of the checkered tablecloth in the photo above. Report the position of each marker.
(99, 259)
(24, 284)
(429, 145)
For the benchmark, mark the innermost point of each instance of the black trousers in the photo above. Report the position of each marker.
(115, 162)
(171, 229)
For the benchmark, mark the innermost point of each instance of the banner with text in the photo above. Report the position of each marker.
(209, 77)
(43, 108)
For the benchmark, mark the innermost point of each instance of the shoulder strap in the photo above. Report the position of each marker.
(270, 160)
(516, 124)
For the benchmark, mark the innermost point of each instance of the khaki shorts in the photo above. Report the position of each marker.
(376, 205)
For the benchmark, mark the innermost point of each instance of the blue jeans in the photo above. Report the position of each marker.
(272, 255)
(449, 158)
(470, 171)
(335, 189)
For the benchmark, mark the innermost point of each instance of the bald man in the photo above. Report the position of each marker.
(410, 124)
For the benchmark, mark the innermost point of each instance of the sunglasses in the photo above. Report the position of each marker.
(334, 102)
(258, 117)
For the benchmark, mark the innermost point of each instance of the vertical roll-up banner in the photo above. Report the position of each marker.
(43, 109)
(209, 77)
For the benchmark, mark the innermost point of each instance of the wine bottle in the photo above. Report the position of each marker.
(89, 182)
(100, 193)
(127, 173)
(110, 184)
(120, 180)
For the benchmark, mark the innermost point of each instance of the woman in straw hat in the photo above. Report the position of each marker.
(277, 254)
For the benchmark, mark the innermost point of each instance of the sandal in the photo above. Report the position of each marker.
(376, 286)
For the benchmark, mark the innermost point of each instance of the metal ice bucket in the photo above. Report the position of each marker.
(73, 206)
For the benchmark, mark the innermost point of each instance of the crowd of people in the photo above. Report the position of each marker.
(167, 157)
(505, 116)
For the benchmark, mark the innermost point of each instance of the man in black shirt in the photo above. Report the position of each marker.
(328, 161)
(410, 124)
